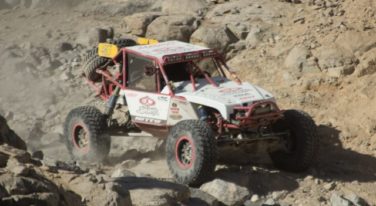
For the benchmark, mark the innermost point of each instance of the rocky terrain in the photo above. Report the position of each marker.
(314, 55)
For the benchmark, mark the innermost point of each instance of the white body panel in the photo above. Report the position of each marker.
(180, 109)
(166, 48)
(157, 109)
(146, 107)
(224, 97)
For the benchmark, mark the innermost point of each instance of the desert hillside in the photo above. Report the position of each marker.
(314, 55)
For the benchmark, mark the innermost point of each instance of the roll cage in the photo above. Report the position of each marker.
(244, 117)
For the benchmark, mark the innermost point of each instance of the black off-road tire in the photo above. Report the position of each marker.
(91, 61)
(304, 142)
(91, 67)
(92, 122)
(204, 151)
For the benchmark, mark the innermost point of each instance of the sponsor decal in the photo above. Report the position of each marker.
(176, 116)
(236, 90)
(146, 107)
(175, 110)
(147, 101)
(145, 110)
(148, 120)
(132, 94)
(163, 98)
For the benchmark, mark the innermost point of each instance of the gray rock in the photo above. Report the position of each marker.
(270, 202)
(367, 65)
(137, 23)
(226, 192)
(341, 71)
(65, 46)
(22, 170)
(356, 200)
(214, 36)
(298, 60)
(176, 27)
(255, 198)
(239, 30)
(331, 56)
(337, 200)
(125, 7)
(37, 155)
(253, 38)
(192, 7)
(199, 197)
(158, 192)
(122, 172)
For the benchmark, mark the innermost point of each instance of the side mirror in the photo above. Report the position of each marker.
(149, 70)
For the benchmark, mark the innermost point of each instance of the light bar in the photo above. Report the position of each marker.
(188, 56)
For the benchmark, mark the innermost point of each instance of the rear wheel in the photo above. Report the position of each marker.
(191, 152)
(85, 138)
(300, 146)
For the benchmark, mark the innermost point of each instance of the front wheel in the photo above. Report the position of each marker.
(191, 152)
(84, 132)
(300, 145)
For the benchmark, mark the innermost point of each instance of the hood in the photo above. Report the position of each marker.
(224, 97)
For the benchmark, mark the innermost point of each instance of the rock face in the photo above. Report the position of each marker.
(176, 27)
(214, 36)
(23, 183)
(137, 23)
(226, 192)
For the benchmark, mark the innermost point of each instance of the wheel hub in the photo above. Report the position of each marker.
(184, 152)
(80, 137)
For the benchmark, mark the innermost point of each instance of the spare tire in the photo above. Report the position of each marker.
(91, 61)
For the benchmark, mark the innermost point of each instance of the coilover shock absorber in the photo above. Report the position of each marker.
(111, 103)
(202, 113)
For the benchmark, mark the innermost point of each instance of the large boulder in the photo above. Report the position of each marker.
(300, 59)
(175, 27)
(332, 56)
(191, 7)
(214, 36)
(96, 189)
(226, 192)
(137, 23)
(147, 191)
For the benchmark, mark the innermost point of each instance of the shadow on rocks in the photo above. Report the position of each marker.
(338, 163)
(8, 136)
(334, 163)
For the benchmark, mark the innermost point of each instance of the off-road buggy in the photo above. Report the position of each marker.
(187, 94)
